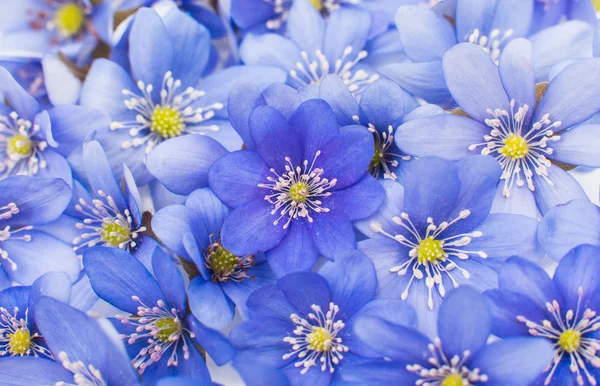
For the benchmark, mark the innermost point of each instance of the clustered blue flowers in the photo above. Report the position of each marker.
(299, 192)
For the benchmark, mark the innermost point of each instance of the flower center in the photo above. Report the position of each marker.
(431, 256)
(18, 147)
(570, 340)
(176, 113)
(520, 150)
(515, 147)
(166, 328)
(19, 343)
(298, 191)
(115, 234)
(430, 250)
(82, 375)
(225, 265)
(383, 158)
(69, 19)
(452, 380)
(490, 44)
(167, 122)
(317, 4)
(317, 341)
(574, 336)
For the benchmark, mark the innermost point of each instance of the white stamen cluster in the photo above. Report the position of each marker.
(316, 339)
(421, 263)
(6, 234)
(10, 325)
(582, 350)
(444, 367)
(188, 119)
(518, 149)
(281, 9)
(24, 154)
(297, 192)
(382, 158)
(490, 44)
(82, 375)
(313, 71)
(162, 329)
(100, 216)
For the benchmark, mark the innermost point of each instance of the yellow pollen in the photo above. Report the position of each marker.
(222, 261)
(317, 4)
(430, 250)
(19, 342)
(299, 192)
(19, 146)
(452, 380)
(319, 340)
(515, 147)
(69, 19)
(570, 340)
(166, 326)
(114, 234)
(377, 157)
(167, 122)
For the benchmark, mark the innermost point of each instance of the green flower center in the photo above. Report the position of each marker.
(377, 156)
(166, 327)
(430, 250)
(570, 340)
(222, 261)
(114, 234)
(515, 147)
(299, 192)
(167, 122)
(69, 19)
(319, 339)
(19, 342)
(19, 146)
(452, 380)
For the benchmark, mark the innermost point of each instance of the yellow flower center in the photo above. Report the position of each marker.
(19, 342)
(319, 340)
(167, 326)
(452, 380)
(317, 4)
(114, 234)
(299, 192)
(515, 147)
(222, 261)
(167, 122)
(69, 19)
(570, 340)
(377, 157)
(19, 146)
(430, 250)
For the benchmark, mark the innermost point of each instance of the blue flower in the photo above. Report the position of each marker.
(162, 339)
(437, 233)
(157, 91)
(84, 353)
(507, 123)
(72, 27)
(563, 310)
(26, 253)
(489, 25)
(566, 226)
(193, 232)
(295, 196)
(19, 334)
(302, 326)
(458, 356)
(316, 47)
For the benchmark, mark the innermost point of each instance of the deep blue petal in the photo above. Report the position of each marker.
(305, 290)
(32, 371)
(332, 234)
(100, 175)
(296, 252)
(524, 277)
(316, 123)
(215, 344)
(209, 304)
(506, 306)
(169, 279)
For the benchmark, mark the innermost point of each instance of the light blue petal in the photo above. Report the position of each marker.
(564, 188)
(425, 80)
(209, 304)
(295, 253)
(578, 146)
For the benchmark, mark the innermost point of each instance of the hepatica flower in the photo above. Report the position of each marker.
(437, 233)
(295, 196)
(489, 25)
(72, 26)
(458, 356)
(563, 310)
(193, 231)
(161, 338)
(316, 47)
(506, 123)
(306, 323)
(158, 93)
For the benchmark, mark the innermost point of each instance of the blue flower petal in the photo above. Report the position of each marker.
(578, 146)
(215, 344)
(32, 371)
(116, 276)
(506, 306)
(305, 289)
(169, 279)
(359, 200)
(346, 28)
(270, 302)
(383, 102)
(576, 278)
(239, 292)
(518, 78)
(181, 164)
(306, 26)
(524, 277)
(243, 98)
(564, 188)
(316, 123)
(209, 304)
(332, 234)
(270, 50)
(170, 224)
(335, 92)
(207, 209)
(23, 103)
(296, 252)
(53, 284)
(283, 98)
(425, 80)
(392, 206)
(264, 348)
(100, 175)
(471, 14)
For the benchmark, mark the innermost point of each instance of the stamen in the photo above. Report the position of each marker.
(225, 266)
(6, 234)
(382, 158)
(16, 338)
(83, 375)
(24, 154)
(490, 44)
